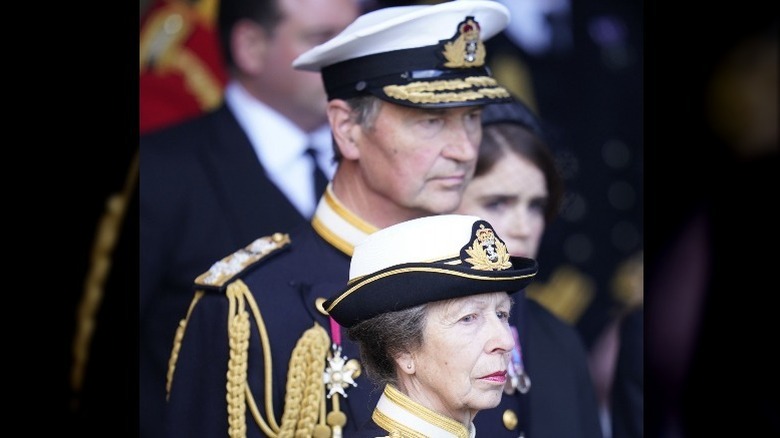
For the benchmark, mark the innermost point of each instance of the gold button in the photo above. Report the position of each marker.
(318, 304)
(510, 419)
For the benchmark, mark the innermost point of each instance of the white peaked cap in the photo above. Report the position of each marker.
(425, 260)
(404, 27)
(428, 56)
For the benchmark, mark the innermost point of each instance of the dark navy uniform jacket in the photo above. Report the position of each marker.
(286, 286)
(203, 195)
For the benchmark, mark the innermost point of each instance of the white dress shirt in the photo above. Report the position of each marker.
(281, 147)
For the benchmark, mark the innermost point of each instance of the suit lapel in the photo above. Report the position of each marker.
(253, 205)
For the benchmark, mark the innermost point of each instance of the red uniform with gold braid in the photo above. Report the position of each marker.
(182, 70)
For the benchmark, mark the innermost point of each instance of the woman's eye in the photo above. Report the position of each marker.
(469, 318)
(497, 204)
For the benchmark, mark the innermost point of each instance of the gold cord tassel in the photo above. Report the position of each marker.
(270, 429)
(304, 383)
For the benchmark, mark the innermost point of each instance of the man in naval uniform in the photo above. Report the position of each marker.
(255, 354)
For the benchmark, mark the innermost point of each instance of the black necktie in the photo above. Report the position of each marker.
(318, 176)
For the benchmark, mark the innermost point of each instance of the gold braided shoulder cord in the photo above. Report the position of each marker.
(304, 391)
(177, 339)
(238, 338)
(238, 395)
(239, 289)
(103, 246)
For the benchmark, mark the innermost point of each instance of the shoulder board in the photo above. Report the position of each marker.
(223, 271)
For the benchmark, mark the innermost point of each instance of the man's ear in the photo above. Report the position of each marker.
(249, 45)
(344, 128)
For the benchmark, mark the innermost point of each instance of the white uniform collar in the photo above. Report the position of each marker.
(397, 413)
(338, 225)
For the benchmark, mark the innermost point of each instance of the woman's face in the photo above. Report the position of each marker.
(462, 364)
(512, 196)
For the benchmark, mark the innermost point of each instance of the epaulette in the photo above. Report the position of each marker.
(222, 272)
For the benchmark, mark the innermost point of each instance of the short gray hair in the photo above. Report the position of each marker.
(382, 338)
(364, 112)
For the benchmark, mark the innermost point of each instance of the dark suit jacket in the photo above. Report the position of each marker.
(203, 194)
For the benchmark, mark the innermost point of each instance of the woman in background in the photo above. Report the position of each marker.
(518, 189)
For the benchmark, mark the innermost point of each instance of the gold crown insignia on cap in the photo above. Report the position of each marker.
(488, 252)
(465, 49)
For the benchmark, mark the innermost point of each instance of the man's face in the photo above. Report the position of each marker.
(300, 95)
(419, 160)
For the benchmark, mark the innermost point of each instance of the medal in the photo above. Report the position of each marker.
(518, 379)
(339, 375)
